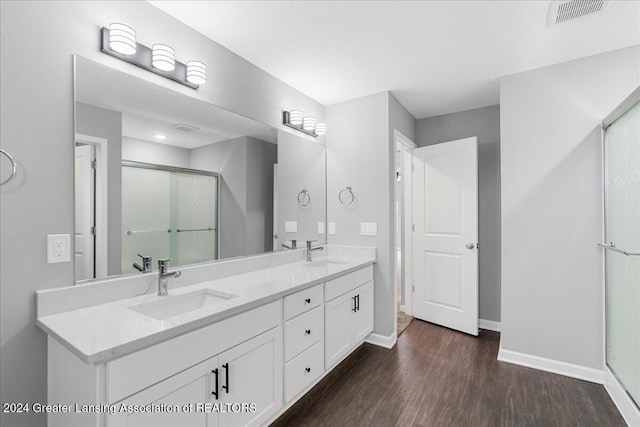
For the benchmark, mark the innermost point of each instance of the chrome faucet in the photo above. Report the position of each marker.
(164, 275)
(309, 249)
(146, 264)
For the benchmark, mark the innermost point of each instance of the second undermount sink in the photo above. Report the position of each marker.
(180, 304)
(322, 263)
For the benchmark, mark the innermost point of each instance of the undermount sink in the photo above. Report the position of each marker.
(180, 304)
(325, 263)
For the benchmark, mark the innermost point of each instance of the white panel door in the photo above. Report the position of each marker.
(445, 240)
(85, 218)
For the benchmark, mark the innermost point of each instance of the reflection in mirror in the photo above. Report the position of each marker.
(163, 175)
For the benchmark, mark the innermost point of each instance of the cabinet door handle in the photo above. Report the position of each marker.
(307, 301)
(215, 392)
(358, 302)
(307, 370)
(355, 307)
(225, 387)
(308, 332)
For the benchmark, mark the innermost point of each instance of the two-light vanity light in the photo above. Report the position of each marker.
(119, 40)
(296, 120)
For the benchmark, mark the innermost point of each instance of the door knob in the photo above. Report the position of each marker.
(470, 245)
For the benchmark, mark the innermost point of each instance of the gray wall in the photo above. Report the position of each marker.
(245, 165)
(551, 195)
(107, 124)
(36, 111)
(261, 156)
(137, 150)
(485, 124)
(301, 165)
(360, 154)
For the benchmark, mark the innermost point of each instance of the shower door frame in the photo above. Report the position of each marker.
(629, 408)
(166, 168)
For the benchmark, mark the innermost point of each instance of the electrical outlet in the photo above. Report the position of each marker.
(58, 248)
(332, 227)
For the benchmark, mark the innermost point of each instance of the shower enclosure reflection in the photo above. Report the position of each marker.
(168, 213)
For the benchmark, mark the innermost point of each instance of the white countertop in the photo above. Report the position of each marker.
(101, 332)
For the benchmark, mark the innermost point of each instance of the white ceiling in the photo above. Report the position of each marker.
(148, 109)
(436, 57)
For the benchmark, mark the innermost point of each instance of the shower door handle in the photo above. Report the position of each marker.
(612, 247)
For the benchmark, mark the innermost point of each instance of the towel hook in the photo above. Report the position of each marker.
(346, 196)
(304, 198)
(14, 167)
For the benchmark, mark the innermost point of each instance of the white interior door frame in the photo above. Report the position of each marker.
(403, 147)
(102, 183)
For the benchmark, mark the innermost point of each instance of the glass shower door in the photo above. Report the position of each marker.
(622, 236)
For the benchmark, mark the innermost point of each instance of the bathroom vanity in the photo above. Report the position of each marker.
(236, 349)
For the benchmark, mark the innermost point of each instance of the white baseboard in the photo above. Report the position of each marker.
(550, 365)
(490, 325)
(382, 340)
(627, 408)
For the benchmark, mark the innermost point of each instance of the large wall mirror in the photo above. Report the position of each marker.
(163, 175)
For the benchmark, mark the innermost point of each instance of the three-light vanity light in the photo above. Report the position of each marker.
(307, 124)
(119, 40)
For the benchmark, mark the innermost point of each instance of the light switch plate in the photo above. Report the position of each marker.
(321, 228)
(58, 248)
(369, 228)
(332, 227)
(291, 226)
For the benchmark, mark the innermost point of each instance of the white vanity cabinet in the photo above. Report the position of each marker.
(239, 387)
(239, 357)
(348, 313)
(303, 339)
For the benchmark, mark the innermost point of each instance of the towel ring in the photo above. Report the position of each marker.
(346, 196)
(304, 198)
(14, 167)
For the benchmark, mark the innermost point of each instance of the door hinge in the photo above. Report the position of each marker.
(93, 164)
(413, 167)
(413, 288)
(413, 227)
(93, 230)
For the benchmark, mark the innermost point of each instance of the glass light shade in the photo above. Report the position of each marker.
(163, 57)
(122, 39)
(295, 117)
(196, 72)
(309, 123)
(321, 129)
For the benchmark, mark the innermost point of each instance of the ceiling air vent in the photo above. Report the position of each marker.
(563, 10)
(184, 128)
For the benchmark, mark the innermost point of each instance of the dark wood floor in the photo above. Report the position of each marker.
(437, 377)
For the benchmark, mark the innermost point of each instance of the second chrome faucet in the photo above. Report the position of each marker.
(310, 249)
(164, 275)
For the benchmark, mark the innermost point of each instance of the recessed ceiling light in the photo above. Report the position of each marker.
(160, 136)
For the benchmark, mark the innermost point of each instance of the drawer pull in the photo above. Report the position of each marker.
(308, 332)
(358, 302)
(307, 370)
(307, 301)
(355, 307)
(215, 392)
(226, 375)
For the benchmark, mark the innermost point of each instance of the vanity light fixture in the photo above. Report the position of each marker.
(296, 120)
(122, 38)
(119, 40)
(163, 57)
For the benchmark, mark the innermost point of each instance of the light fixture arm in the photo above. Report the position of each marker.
(142, 58)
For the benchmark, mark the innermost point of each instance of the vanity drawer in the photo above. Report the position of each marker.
(133, 372)
(302, 332)
(303, 370)
(302, 301)
(336, 287)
